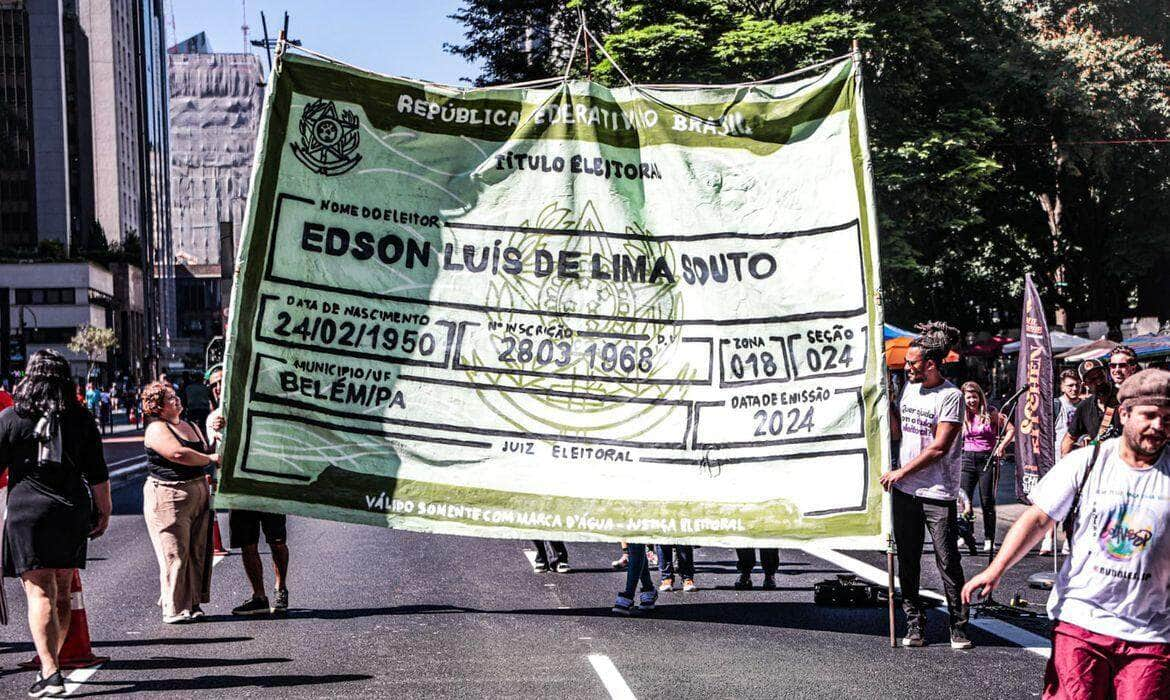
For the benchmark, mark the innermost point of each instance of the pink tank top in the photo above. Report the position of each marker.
(980, 436)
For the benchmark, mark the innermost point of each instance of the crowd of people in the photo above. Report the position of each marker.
(1109, 495)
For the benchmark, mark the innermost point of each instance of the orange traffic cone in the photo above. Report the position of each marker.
(76, 653)
(216, 541)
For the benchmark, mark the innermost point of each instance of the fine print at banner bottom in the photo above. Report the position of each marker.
(572, 325)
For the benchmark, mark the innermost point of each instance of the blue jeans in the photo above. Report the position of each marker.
(637, 571)
(686, 560)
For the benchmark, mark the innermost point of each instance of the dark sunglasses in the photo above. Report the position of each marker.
(1120, 364)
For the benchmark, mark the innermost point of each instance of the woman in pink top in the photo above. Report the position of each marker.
(981, 426)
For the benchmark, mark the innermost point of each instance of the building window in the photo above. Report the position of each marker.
(49, 296)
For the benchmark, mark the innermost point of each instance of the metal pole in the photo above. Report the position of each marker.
(890, 587)
(5, 337)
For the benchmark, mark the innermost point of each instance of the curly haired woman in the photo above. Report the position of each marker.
(176, 504)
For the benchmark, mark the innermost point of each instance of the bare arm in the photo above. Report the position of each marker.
(159, 439)
(944, 437)
(1009, 434)
(1025, 534)
(101, 497)
(895, 422)
(1067, 444)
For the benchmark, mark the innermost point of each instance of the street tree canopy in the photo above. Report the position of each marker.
(1008, 136)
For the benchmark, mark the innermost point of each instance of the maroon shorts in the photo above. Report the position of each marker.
(1090, 666)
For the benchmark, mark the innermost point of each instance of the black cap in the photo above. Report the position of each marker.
(1088, 366)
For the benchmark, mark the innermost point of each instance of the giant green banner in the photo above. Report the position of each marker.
(571, 312)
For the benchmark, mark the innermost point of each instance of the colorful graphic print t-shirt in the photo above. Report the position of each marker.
(1117, 580)
(922, 410)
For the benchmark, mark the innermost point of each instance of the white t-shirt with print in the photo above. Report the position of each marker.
(922, 410)
(1116, 581)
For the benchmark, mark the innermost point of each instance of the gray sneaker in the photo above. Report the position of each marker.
(280, 600)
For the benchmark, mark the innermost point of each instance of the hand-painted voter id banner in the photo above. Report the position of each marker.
(574, 312)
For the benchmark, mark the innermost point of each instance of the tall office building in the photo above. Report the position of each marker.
(84, 164)
(215, 103)
(131, 187)
(40, 76)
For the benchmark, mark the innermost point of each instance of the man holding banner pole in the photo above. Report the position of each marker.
(924, 489)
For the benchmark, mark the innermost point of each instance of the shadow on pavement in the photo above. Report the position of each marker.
(162, 662)
(217, 682)
(168, 641)
(346, 613)
(798, 616)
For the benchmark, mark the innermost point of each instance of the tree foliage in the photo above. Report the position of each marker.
(93, 342)
(1008, 136)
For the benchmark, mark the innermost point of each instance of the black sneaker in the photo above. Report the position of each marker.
(769, 583)
(743, 583)
(959, 638)
(253, 606)
(280, 600)
(52, 686)
(197, 613)
(914, 637)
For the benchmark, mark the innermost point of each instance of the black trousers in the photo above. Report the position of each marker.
(558, 549)
(972, 475)
(911, 516)
(769, 560)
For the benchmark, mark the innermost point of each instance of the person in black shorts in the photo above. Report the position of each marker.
(245, 534)
(246, 525)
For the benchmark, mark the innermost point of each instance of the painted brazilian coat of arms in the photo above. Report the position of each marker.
(329, 141)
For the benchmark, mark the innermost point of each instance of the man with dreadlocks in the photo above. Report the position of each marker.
(923, 490)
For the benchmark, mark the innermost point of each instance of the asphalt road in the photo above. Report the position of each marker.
(384, 613)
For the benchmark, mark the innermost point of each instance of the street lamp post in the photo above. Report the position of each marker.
(24, 336)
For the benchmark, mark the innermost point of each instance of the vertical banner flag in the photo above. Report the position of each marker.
(1035, 432)
(571, 312)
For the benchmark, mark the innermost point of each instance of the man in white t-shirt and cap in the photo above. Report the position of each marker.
(1111, 600)
(923, 491)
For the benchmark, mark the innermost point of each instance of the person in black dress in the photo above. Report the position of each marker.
(58, 498)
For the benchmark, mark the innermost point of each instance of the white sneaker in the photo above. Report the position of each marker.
(178, 618)
(988, 545)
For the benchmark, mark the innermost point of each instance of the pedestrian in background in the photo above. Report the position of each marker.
(560, 564)
(1063, 408)
(106, 410)
(176, 504)
(59, 499)
(745, 562)
(637, 572)
(1111, 599)
(666, 567)
(982, 451)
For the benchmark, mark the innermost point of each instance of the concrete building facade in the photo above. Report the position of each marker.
(47, 302)
(215, 105)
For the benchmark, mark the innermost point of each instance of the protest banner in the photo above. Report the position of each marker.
(567, 312)
(1035, 432)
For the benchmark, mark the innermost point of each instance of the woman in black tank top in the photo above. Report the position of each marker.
(176, 505)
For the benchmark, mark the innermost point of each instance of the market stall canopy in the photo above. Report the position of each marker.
(988, 347)
(1150, 346)
(891, 332)
(896, 352)
(1088, 351)
(1060, 343)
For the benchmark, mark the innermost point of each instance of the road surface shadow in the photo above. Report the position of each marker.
(346, 613)
(786, 615)
(216, 682)
(163, 662)
(168, 641)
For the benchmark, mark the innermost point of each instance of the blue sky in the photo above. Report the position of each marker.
(400, 37)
